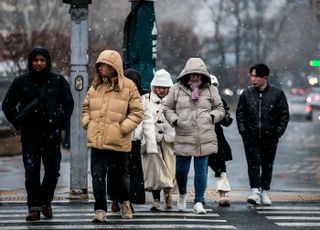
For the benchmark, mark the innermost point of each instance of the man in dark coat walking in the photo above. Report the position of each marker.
(262, 117)
(39, 104)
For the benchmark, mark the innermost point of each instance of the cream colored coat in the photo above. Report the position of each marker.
(110, 114)
(195, 133)
(146, 130)
(164, 131)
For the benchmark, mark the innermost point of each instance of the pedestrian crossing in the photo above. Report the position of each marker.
(79, 215)
(292, 216)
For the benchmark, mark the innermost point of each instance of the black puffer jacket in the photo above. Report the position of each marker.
(262, 114)
(39, 103)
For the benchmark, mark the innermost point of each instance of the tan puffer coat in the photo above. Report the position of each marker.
(195, 133)
(110, 114)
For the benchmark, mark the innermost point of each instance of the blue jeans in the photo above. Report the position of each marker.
(200, 177)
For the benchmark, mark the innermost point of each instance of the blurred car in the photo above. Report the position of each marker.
(6, 129)
(313, 97)
(299, 108)
(297, 91)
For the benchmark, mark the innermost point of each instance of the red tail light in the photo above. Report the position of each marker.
(301, 91)
(308, 108)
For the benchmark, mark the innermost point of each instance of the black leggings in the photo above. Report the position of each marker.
(156, 194)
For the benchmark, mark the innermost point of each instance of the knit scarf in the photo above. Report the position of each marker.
(195, 92)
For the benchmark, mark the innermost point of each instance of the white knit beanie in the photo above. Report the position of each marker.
(162, 78)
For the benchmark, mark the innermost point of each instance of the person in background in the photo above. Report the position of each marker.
(217, 162)
(262, 118)
(144, 130)
(39, 104)
(193, 106)
(112, 109)
(165, 133)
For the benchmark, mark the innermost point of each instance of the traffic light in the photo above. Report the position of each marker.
(78, 3)
(314, 63)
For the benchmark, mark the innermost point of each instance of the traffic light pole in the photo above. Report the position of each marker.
(79, 85)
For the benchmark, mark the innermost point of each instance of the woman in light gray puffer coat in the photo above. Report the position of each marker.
(193, 107)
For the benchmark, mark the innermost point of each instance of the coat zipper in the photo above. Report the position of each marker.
(260, 101)
(197, 128)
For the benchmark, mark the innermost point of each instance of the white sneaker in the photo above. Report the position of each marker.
(100, 216)
(255, 197)
(182, 202)
(198, 208)
(265, 200)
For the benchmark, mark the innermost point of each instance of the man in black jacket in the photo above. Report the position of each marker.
(39, 104)
(262, 117)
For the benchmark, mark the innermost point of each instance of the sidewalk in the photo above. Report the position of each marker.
(62, 194)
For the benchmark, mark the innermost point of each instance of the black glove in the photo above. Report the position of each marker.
(212, 118)
(175, 123)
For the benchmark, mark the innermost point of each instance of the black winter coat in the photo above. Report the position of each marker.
(262, 114)
(217, 161)
(224, 150)
(40, 109)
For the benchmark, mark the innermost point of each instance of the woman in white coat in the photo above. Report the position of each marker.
(145, 131)
(165, 161)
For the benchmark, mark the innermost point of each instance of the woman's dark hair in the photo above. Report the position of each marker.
(134, 75)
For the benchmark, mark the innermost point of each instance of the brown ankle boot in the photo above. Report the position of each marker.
(47, 211)
(33, 216)
(224, 201)
(115, 206)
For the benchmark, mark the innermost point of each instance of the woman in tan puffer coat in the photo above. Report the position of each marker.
(193, 107)
(112, 109)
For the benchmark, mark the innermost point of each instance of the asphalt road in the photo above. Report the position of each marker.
(296, 178)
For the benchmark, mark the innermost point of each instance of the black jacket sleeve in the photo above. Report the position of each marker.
(283, 115)
(10, 102)
(67, 103)
(241, 114)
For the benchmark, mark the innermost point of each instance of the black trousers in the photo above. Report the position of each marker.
(137, 193)
(100, 161)
(40, 193)
(260, 154)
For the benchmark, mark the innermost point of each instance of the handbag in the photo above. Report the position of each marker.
(156, 174)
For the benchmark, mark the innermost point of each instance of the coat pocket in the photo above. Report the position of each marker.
(113, 135)
(91, 131)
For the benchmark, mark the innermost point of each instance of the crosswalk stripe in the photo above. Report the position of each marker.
(90, 210)
(59, 220)
(286, 208)
(292, 218)
(297, 224)
(289, 212)
(127, 226)
(72, 214)
(80, 217)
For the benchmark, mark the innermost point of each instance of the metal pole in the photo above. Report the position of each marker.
(79, 85)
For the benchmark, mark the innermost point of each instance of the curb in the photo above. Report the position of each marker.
(62, 194)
